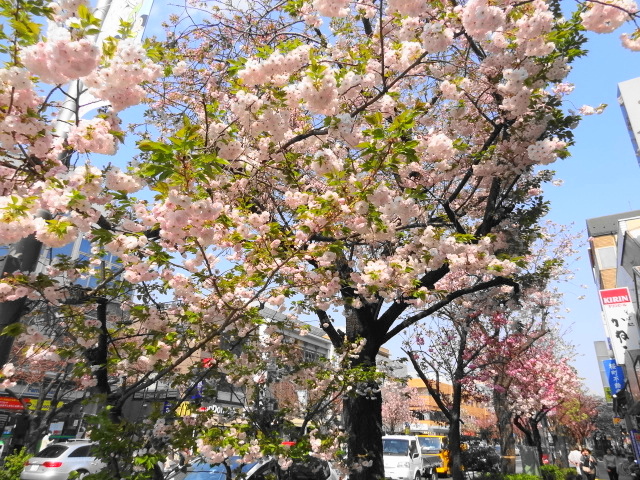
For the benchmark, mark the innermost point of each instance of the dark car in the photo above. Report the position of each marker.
(481, 459)
(310, 468)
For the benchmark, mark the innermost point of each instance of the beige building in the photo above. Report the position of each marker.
(614, 251)
(429, 418)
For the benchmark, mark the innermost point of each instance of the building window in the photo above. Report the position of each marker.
(310, 356)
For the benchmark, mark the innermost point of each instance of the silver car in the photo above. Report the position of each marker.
(58, 460)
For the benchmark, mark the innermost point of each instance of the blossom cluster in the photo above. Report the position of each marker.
(61, 59)
(119, 81)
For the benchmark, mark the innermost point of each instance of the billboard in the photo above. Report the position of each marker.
(620, 319)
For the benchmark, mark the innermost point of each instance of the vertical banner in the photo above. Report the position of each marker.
(615, 375)
(620, 319)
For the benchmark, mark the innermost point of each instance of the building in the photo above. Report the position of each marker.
(614, 252)
(429, 418)
(629, 100)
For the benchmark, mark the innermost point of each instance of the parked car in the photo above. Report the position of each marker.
(481, 459)
(310, 468)
(57, 460)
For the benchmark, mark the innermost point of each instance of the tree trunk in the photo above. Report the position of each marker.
(455, 452)
(505, 432)
(362, 413)
(529, 426)
(363, 424)
(537, 438)
(455, 438)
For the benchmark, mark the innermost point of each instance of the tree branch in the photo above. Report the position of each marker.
(495, 282)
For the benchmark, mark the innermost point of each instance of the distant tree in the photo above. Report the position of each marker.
(543, 381)
(486, 428)
(397, 403)
(582, 414)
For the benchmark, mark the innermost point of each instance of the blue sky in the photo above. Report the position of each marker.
(601, 178)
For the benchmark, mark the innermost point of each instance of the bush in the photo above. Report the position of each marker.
(570, 474)
(521, 476)
(501, 476)
(13, 465)
(551, 472)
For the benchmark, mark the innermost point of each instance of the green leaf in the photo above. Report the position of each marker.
(14, 329)
(84, 13)
(374, 119)
(151, 146)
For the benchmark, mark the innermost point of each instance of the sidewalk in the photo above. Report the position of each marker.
(601, 473)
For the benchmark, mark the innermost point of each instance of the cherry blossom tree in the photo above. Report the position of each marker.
(56, 388)
(541, 382)
(397, 403)
(479, 339)
(367, 161)
(578, 417)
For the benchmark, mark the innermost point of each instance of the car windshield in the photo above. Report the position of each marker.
(52, 451)
(430, 443)
(393, 446)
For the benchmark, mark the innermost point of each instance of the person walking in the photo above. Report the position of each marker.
(588, 465)
(611, 464)
(574, 459)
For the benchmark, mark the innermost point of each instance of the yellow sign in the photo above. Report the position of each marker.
(607, 395)
(46, 405)
(183, 409)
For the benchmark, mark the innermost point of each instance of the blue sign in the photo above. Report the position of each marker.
(615, 375)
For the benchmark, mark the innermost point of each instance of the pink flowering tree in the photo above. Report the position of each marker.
(397, 403)
(542, 383)
(477, 339)
(365, 163)
(578, 418)
(51, 379)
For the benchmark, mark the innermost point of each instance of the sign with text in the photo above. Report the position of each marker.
(10, 403)
(620, 319)
(615, 376)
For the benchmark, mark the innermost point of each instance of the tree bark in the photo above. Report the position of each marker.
(363, 424)
(505, 432)
(529, 426)
(455, 438)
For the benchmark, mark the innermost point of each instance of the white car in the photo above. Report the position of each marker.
(57, 460)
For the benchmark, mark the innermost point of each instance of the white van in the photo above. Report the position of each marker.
(402, 459)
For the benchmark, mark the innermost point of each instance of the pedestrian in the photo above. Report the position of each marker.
(588, 465)
(46, 440)
(611, 463)
(574, 459)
